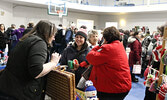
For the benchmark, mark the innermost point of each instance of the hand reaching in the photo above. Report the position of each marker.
(55, 58)
(76, 66)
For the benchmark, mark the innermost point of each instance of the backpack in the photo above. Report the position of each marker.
(71, 36)
(59, 36)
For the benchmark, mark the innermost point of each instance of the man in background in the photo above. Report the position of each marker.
(29, 28)
(9, 32)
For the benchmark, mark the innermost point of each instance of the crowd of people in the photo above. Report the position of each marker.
(11, 37)
(36, 50)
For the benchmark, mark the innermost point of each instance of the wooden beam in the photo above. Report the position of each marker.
(161, 69)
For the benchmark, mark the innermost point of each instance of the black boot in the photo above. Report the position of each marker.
(134, 79)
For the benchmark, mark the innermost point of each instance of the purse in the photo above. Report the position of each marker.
(85, 77)
(61, 85)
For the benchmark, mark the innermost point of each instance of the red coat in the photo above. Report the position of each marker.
(135, 53)
(110, 73)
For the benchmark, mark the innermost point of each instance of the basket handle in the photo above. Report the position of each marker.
(61, 68)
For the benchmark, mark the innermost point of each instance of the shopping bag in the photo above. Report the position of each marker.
(85, 77)
(61, 85)
(136, 69)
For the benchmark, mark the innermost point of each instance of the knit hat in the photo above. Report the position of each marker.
(89, 86)
(82, 32)
(90, 91)
(88, 83)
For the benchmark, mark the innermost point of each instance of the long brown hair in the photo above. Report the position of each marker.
(44, 29)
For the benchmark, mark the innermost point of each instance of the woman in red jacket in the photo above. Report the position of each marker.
(135, 52)
(110, 73)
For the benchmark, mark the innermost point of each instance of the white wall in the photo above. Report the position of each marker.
(6, 13)
(93, 2)
(152, 20)
(22, 15)
(74, 16)
(110, 3)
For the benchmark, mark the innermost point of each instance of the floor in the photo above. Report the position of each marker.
(137, 91)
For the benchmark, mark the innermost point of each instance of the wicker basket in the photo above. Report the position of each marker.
(61, 85)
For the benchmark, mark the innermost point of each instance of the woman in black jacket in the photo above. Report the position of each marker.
(28, 63)
(78, 50)
(3, 40)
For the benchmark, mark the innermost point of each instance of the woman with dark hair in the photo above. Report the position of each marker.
(135, 52)
(110, 74)
(24, 77)
(125, 38)
(3, 41)
(78, 50)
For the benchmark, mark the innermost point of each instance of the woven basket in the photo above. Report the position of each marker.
(61, 85)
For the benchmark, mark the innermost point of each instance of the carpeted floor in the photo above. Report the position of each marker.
(137, 91)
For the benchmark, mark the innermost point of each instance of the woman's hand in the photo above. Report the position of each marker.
(76, 66)
(50, 65)
(55, 58)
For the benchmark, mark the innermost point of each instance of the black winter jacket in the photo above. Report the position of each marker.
(24, 64)
(3, 40)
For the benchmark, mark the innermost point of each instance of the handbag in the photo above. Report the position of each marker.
(61, 85)
(136, 69)
(85, 77)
